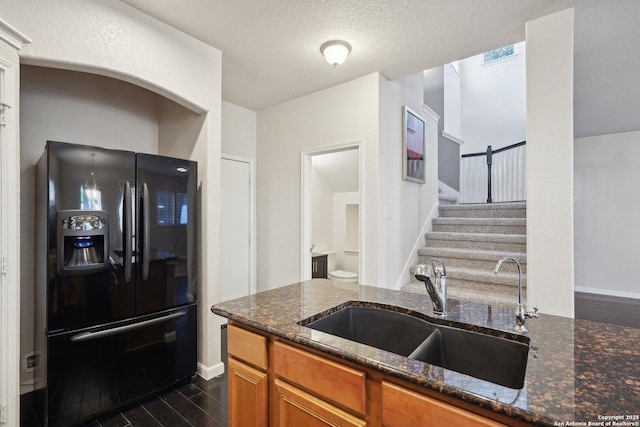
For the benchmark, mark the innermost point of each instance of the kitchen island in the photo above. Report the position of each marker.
(577, 371)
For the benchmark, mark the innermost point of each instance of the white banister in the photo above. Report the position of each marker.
(507, 176)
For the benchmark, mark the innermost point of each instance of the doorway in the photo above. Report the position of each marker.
(332, 210)
(237, 228)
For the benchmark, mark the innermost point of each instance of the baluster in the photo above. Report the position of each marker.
(489, 163)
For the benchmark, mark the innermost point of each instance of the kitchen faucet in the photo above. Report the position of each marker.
(521, 313)
(438, 291)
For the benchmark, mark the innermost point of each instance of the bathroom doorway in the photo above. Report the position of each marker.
(332, 213)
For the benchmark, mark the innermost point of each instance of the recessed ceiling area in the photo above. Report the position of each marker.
(271, 49)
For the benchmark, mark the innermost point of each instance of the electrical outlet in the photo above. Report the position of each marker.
(30, 361)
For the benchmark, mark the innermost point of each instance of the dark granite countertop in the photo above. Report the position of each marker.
(578, 371)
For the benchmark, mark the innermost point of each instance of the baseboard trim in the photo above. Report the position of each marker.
(608, 292)
(608, 309)
(208, 372)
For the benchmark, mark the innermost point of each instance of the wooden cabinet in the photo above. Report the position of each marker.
(319, 267)
(248, 395)
(247, 346)
(275, 382)
(403, 407)
(329, 380)
(248, 379)
(294, 407)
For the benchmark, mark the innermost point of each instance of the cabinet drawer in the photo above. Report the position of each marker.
(247, 346)
(294, 407)
(403, 407)
(327, 379)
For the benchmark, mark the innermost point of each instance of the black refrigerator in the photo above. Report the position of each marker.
(116, 273)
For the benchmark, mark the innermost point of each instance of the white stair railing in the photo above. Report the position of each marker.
(507, 169)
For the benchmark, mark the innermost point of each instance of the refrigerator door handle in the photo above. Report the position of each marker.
(127, 232)
(88, 336)
(146, 238)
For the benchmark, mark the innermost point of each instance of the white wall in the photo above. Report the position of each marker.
(452, 100)
(368, 109)
(85, 109)
(115, 40)
(238, 130)
(550, 279)
(180, 131)
(344, 261)
(342, 114)
(322, 218)
(607, 232)
(493, 101)
(405, 207)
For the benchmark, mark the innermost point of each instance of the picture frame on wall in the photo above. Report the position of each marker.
(413, 146)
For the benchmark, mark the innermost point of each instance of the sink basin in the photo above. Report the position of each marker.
(490, 355)
(384, 329)
(499, 360)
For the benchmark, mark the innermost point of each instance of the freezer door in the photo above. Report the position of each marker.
(95, 370)
(88, 203)
(166, 232)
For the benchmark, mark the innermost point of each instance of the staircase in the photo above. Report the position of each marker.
(470, 239)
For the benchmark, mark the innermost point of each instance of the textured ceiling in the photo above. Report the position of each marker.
(271, 48)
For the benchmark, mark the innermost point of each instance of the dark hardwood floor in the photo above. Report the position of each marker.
(191, 403)
(605, 308)
(198, 403)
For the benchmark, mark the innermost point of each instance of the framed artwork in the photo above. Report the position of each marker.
(413, 146)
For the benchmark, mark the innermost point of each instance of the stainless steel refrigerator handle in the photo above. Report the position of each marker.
(87, 336)
(127, 232)
(146, 243)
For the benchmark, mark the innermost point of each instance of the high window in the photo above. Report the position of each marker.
(496, 54)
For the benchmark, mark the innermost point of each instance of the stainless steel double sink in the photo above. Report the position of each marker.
(491, 355)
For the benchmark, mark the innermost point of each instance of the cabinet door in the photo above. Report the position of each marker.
(403, 407)
(322, 266)
(319, 267)
(296, 408)
(248, 395)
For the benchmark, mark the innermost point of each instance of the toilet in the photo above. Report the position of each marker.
(343, 276)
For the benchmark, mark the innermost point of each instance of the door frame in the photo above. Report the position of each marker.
(9, 225)
(252, 217)
(306, 205)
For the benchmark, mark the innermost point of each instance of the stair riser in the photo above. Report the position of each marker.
(447, 212)
(484, 265)
(487, 278)
(476, 292)
(495, 229)
(478, 245)
(461, 284)
(470, 239)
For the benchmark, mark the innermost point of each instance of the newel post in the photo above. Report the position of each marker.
(489, 162)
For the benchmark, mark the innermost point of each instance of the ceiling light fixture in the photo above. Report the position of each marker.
(335, 51)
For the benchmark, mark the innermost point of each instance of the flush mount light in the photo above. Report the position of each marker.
(335, 51)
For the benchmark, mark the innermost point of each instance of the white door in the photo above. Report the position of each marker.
(235, 223)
